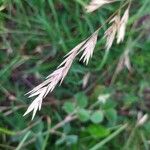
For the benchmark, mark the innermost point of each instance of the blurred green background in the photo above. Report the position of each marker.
(34, 37)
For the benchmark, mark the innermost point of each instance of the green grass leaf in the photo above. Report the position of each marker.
(6, 131)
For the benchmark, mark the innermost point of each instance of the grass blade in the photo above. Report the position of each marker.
(103, 142)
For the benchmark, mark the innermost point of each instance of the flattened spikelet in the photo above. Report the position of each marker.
(88, 48)
(124, 61)
(122, 26)
(110, 33)
(95, 4)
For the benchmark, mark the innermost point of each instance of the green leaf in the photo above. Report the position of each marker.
(83, 115)
(101, 144)
(109, 104)
(60, 141)
(146, 127)
(68, 107)
(130, 100)
(98, 131)
(6, 131)
(39, 141)
(98, 89)
(71, 139)
(82, 100)
(67, 128)
(23, 140)
(68, 139)
(97, 117)
(38, 128)
(111, 115)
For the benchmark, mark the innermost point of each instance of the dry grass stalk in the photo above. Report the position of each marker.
(86, 47)
(95, 4)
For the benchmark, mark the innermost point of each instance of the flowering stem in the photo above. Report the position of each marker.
(62, 123)
(67, 119)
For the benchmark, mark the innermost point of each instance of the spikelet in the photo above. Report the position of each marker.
(95, 4)
(110, 33)
(124, 61)
(85, 80)
(122, 26)
(86, 47)
(141, 118)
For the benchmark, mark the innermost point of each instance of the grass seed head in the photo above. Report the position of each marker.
(95, 4)
(122, 26)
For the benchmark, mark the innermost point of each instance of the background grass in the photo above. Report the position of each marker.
(34, 37)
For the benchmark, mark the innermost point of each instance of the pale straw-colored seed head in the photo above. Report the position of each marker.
(85, 80)
(141, 118)
(88, 48)
(122, 26)
(41, 91)
(95, 4)
(124, 61)
(51, 81)
(110, 33)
